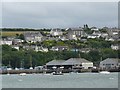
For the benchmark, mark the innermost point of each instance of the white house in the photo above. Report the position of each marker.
(113, 31)
(17, 41)
(85, 50)
(56, 32)
(109, 39)
(104, 35)
(33, 36)
(7, 42)
(16, 47)
(39, 48)
(35, 48)
(93, 36)
(63, 38)
(59, 48)
(98, 33)
(115, 46)
(94, 29)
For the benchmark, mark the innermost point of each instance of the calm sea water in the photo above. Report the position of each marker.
(81, 80)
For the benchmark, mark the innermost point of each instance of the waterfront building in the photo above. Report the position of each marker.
(78, 63)
(110, 63)
(55, 63)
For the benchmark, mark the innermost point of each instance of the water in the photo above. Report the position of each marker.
(81, 80)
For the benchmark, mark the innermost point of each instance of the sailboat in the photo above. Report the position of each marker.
(21, 65)
(16, 68)
(9, 68)
(31, 63)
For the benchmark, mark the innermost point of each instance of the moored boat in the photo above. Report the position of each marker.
(22, 74)
(104, 72)
(57, 73)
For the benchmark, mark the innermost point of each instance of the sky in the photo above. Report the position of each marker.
(59, 14)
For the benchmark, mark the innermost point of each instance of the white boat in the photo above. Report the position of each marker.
(8, 74)
(16, 69)
(9, 68)
(31, 68)
(57, 73)
(22, 74)
(104, 72)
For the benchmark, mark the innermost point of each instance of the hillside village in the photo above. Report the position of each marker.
(38, 41)
(80, 42)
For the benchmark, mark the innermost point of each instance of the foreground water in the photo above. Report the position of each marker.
(81, 80)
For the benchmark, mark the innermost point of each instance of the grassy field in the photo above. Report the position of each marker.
(11, 33)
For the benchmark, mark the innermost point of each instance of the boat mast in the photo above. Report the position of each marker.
(30, 61)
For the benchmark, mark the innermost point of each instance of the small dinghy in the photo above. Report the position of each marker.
(22, 74)
(55, 73)
(8, 74)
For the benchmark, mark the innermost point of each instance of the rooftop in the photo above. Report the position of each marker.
(73, 61)
(55, 62)
(111, 60)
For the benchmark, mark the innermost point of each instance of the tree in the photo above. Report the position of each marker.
(94, 55)
(109, 53)
(17, 35)
(6, 48)
(21, 36)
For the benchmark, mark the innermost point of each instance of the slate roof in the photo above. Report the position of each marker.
(32, 33)
(74, 61)
(56, 29)
(55, 62)
(75, 29)
(111, 60)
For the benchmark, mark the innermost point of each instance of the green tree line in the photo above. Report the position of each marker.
(14, 58)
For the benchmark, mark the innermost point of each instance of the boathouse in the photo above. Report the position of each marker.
(80, 63)
(54, 63)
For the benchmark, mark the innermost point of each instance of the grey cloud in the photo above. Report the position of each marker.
(50, 14)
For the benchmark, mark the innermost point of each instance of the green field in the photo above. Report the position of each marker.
(11, 33)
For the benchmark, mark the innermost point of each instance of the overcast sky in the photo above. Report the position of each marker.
(59, 14)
